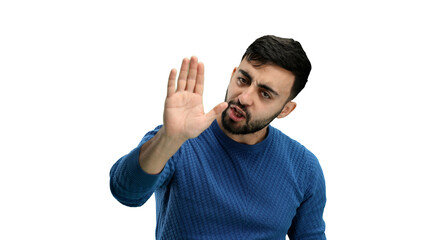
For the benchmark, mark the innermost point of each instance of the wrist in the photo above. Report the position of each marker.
(170, 139)
(155, 153)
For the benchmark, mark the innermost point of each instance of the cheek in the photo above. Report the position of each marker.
(231, 94)
(262, 111)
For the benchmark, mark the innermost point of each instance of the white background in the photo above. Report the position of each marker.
(83, 81)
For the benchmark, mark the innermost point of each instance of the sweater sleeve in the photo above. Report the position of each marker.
(308, 224)
(132, 186)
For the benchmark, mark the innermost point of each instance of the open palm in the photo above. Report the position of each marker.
(184, 115)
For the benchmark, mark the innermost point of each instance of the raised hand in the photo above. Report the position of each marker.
(184, 116)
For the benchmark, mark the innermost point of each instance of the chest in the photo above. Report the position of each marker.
(250, 192)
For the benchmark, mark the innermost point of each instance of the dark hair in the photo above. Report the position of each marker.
(283, 52)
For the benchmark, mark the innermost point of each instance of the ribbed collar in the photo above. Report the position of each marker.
(241, 146)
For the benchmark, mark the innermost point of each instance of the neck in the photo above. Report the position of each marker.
(249, 139)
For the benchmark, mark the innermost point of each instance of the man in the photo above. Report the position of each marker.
(227, 174)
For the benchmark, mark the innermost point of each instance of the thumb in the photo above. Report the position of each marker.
(216, 111)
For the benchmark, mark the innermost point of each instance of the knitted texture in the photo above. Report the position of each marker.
(216, 188)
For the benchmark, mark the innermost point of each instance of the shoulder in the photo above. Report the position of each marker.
(302, 159)
(202, 146)
(286, 144)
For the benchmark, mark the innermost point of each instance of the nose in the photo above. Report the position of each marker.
(246, 97)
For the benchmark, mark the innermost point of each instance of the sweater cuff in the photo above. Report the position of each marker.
(140, 178)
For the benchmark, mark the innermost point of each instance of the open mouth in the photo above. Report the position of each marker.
(236, 113)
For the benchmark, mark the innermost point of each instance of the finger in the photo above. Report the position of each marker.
(183, 75)
(215, 112)
(199, 85)
(171, 83)
(190, 83)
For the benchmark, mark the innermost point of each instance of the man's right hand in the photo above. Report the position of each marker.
(184, 116)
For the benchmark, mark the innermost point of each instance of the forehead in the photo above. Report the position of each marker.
(272, 75)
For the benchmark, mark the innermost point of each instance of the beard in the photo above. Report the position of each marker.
(250, 126)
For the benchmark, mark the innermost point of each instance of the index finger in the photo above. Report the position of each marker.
(171, 88)
(199, 85)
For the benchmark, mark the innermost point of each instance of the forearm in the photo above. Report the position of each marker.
(129, 184)
(155, 153)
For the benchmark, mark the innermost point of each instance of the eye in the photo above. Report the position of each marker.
(265, 95)
(242, 80)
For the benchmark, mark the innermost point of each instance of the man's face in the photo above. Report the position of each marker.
(256, 96)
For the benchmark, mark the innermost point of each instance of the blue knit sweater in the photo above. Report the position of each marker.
(216, 188)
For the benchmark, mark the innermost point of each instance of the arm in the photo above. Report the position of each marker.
(308, 224)
(135, 177)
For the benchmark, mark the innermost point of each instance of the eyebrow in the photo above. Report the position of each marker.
(264, 86)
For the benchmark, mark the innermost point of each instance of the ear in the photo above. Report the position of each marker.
(233, 72)
(288, 108)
